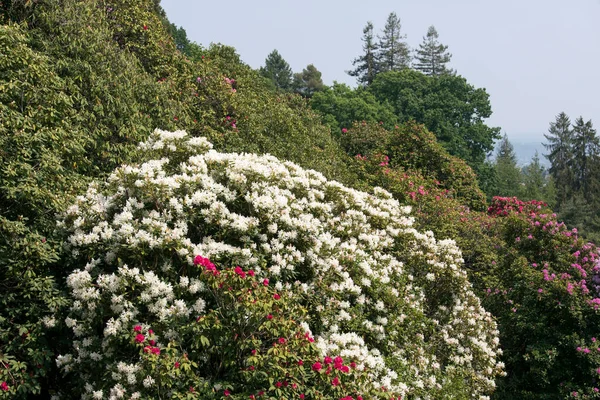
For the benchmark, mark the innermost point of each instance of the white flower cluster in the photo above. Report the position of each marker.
(380, 291)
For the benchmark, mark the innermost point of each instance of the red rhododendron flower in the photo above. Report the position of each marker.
(250, 272)
(177, 364)
(139, 338)
(4, 386)
(226, 392)
(282, 340)
(335, 381)
(238, 270)
(266, 282)
(327, 360)
(276, 296)
(338, 362)
(137, 328)
(317, 366)
(269, 317)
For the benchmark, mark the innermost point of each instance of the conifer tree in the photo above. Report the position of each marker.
(585, 154)
(277, 70)
(508, 174)
(308, 81)
(432, 56)
(393, 53)
(534, 179)
(560, 155)
(365, 66)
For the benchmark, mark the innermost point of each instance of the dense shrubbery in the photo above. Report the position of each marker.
(83, 83)
(377, 291)
(411, 148)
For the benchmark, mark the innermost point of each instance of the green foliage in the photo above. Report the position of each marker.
(365, 66)
(431, 57)
(133, 240)
(38, 153)
(560, 155)
(341, 106)
(538, 184)
(545, 298)
(80, 84)
(508, 175)
(447, 105)
(277, 70)
(411, 147)
(308, 82)
(586, 149)
(575, 163)
(393, 54)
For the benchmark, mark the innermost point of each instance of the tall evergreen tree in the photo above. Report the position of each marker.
(393, 53)
(308, 81)
(277, 70)
(432, 56)
(508, 174)
(365, 66)
(534, 179)
(585, 154)
(560, 155)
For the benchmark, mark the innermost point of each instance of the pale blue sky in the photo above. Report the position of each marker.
(536, 58)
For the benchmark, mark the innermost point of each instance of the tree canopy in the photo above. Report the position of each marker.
(449, 106)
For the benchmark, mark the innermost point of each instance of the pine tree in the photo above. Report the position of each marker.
(308, 81)
(560, 155)
(277, 70)
(508, 174)
(365, 66)
(534, 179)
(393, 53)
(432, 56)
(585, 154)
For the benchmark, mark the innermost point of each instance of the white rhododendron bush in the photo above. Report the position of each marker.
(207, 267)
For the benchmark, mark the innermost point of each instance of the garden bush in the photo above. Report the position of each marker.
(377, 292)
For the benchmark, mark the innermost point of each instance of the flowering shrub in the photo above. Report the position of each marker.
(246, 340)
(377, 292)
(502, 206)
(543, 294)
(412, 147)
